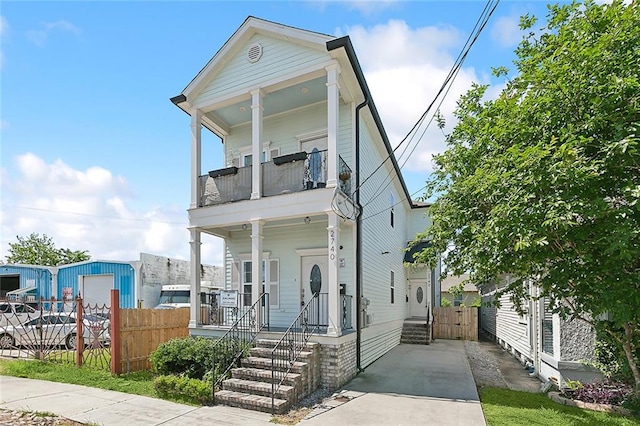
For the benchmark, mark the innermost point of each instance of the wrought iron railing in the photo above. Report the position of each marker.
(287, 351)
(223, 316)
(240, 336)
(225, 186)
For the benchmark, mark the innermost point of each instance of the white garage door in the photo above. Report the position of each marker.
(96, 290)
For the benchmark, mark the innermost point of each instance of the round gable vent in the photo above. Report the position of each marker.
(254, 53)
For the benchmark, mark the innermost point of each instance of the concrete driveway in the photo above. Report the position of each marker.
(410, 385)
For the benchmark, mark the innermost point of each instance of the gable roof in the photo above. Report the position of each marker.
(250, 27)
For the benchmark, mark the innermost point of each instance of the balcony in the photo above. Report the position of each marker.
(285, 174)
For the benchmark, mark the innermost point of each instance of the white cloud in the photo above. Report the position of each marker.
(39, 37)
(90, 210)
(506, 31)
(406, 79)
(368, 7)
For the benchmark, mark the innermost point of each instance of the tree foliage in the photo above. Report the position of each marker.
(543, 182)
(41, 250)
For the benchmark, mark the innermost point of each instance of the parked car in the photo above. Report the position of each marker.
(15, 313)
(56, 329)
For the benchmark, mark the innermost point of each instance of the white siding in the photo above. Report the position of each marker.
(509, 327)
(418, 222)
(279, 58)
(378, 237)
(282, 243)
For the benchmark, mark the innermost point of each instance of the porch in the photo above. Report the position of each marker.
(284, 174)
(221, 311)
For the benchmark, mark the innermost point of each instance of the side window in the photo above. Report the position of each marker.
(392, 203)
(393, 296)
(274, 283)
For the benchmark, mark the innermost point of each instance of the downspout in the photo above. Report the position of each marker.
(358, 242)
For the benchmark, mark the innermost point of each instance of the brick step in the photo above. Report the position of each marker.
(259, 374)
(416, 331)
(257, 388)
(414, 336)
(262, 352)
(414, 327)
(251, 402)
(270, 343)
(265, 363)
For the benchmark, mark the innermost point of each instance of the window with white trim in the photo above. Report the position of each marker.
(270, 269)
(393, 296)
(274, 283)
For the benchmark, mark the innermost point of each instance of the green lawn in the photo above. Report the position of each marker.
(513, 408)
(140, 383)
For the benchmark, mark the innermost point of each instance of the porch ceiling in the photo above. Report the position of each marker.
(239, 227)
(276, 102)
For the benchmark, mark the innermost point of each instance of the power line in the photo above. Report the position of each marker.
(480, 24)
(100, 216)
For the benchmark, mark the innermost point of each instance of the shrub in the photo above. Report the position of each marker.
(183, 388)
(194, 357)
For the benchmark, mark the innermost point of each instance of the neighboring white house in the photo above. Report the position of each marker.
(296, 199)
(555, 348)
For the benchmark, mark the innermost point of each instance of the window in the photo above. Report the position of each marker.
(392, 204)
(392, 288)
(274, 283)
(274, 278)
(458, 299)
(547, 328)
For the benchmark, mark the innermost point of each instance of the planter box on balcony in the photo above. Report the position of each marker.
(223, 172)
(289, 158)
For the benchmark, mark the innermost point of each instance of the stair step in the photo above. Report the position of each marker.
(257, 388)
(247, 373)
(251, 402)
(270, 343)
(262, 352)
(265, 363)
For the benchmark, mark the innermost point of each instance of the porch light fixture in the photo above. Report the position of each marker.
(304, 90)
(307, 220)
(244, 226)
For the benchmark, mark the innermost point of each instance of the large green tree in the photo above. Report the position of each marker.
(543, 182)
(41, 250)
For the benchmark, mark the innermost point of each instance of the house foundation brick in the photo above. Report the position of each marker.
(337, 364)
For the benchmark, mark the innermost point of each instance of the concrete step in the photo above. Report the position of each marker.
(259, 374)
(251, 402)
(257, 388)
(265, 363)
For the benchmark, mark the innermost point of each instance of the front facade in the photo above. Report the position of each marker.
(304, 215)
(555, 349)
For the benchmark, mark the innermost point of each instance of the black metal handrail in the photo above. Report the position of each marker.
(242, 333)
(286, 352)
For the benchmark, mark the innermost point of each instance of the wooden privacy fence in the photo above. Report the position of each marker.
(455, 323)
(141, 331)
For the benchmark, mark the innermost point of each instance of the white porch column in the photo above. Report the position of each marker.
(196, 156)
(194, 272)
(256, 266)
(256, 143)
(333, 105)
(335, 324)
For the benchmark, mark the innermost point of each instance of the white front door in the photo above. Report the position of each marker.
(418, 299)
(315, 279)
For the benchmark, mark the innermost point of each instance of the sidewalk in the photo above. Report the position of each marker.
(104, 407)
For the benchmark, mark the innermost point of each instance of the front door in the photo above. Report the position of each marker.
(315, 281)
(418, 299)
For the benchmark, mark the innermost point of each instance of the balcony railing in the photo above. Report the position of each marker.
(286, 174)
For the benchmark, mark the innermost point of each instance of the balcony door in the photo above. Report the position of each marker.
(316, 170)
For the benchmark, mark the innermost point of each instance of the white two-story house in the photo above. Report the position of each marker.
(309, 198)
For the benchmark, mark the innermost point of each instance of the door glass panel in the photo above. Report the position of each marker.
(315, 280)
(419, 294)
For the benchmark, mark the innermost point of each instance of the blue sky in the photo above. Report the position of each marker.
(94, 154)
